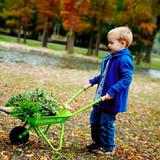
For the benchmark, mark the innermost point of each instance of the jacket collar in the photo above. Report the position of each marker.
(122, 52)
(119, 53)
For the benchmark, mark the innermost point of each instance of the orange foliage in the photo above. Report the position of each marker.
(41, 26)
(20, 10)
(138, 13)
(73, 15)
(12, 23)
(48, 8)
(140, 38)
(147, 27)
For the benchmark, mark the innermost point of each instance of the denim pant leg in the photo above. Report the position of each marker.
(107, 130)
(95, 124)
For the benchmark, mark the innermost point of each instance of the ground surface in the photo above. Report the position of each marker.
(137, 131)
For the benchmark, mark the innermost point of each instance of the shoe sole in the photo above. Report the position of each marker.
(104, 153)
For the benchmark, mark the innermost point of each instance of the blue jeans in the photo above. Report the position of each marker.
(102, 128)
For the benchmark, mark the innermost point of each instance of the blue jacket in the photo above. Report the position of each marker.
(117, 81)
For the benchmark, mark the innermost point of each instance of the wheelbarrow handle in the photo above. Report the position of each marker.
(74, 96)
(82, 109)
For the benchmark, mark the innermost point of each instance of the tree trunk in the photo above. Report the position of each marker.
(98, 39)
(19, 32)
(139, 54)
(43, 42)
(25, 24)
(70, 42)
(147, 57)
(71, 37)
(67, 43)
(55, 29)
(25, 34)
(150, 45)
(91, 42)
(90, 47)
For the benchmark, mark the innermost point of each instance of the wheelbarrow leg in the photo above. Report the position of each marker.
(45, 132)
(61, 138)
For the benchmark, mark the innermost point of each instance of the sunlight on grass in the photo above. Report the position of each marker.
(32, 43)
(82, 51)
(8, 39)
(153, 55)
(154, 64)
(56, 47)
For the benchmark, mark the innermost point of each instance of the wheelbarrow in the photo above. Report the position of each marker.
(20, 135)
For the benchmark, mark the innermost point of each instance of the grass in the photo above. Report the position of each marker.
(154, 64)
(83, 51)
(7, 39)
(56, 47)
(155, 55)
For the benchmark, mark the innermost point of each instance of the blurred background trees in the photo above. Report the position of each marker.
(17, 16)
(74, 14)
(47, 13)
(83, 23)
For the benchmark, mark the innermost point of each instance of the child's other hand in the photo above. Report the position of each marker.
(66, 106)
(87, 86)
(106, 97)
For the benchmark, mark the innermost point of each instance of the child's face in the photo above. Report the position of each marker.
(115, 45)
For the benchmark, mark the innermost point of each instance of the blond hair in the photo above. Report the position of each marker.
(122, 34)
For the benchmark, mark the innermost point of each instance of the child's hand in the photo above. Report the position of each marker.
(106, 97)
(87, 86)
(66, 106)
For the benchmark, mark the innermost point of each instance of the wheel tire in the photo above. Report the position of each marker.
(13, 136)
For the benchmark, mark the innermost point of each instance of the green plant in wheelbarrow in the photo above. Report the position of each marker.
(37, 103)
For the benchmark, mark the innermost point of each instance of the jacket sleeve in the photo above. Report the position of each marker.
(95, 80)
(126, 71)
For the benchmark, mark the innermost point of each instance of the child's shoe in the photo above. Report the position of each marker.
(103, 152)
(92, 146)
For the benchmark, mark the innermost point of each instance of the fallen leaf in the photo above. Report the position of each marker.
(30, 155)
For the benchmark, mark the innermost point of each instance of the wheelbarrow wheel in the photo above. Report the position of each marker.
(15, 133)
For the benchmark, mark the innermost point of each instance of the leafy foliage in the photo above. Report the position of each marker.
(74, 15)
(19, 11)
(47, 8)
(35, 103)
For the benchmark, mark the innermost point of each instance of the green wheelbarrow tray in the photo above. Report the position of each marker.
(20, 134)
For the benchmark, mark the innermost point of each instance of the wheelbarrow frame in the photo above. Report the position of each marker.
(49, 120)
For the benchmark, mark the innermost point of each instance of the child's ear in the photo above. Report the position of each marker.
(123, 43)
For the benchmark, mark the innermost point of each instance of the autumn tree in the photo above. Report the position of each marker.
(92, 27)
(48, 11)
(155, 6)
(137, 14)
(103, 13)
(20, 15)
(73, 14)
